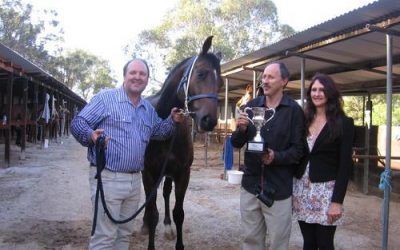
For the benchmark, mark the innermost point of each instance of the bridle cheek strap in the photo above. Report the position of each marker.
(184, 83)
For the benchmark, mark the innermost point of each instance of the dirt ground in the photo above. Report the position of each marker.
(45, 204)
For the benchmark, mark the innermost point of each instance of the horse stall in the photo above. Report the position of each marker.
(34, 106)
(369, 159)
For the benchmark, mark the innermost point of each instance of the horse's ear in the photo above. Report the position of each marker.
(206, 45)
(219, 55)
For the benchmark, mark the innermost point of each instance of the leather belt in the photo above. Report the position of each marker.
(130, 172)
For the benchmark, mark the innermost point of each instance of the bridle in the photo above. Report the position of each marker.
(184, 84)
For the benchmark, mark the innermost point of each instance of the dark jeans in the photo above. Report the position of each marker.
(317, 236)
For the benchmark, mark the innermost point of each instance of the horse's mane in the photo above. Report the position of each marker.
(215, 62)
(209, 56)
(171, 74)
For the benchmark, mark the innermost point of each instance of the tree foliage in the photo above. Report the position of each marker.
(86, 71)
(238, 26)
(354, 108)
(41, 42)
(19, 32)
(379, 110)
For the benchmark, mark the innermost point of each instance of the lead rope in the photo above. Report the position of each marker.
(385, 179)
(384, 182)
(101, 162)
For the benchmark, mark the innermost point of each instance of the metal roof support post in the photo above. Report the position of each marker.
(35, 109)
(254, 83)
(386, 200)
(71, 110)
(226, 106)
(58, 104)
(368, 110)
(303, 81)
(363, 108)
(226, 114)
(7, 120)
(24, 119)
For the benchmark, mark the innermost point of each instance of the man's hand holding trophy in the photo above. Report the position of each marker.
(257, 144)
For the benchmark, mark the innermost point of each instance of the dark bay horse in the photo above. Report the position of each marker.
(193, 86)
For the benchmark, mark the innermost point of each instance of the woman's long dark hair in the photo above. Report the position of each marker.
(334, 106)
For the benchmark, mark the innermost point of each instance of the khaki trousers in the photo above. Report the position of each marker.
(122, 195)
(257, 217)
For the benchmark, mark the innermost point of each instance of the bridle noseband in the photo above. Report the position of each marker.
(184, 83)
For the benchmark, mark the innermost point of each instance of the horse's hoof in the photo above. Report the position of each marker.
(144, 230)
(169, 232)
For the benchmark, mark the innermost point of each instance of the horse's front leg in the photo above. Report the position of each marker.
(151, 215)
(168, 232)
(181, 185)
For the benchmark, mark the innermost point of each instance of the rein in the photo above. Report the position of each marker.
(101, 163)
(184, 84)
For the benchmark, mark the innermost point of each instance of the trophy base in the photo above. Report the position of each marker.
(256, 147)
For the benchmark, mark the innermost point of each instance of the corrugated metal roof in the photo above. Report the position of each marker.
(357, 11)
(20, 64)
(371, 12)
(343, 39)
(15, 58)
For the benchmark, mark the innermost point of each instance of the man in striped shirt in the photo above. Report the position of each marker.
(128, 121)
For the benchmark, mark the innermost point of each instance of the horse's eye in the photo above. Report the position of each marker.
(202, 75)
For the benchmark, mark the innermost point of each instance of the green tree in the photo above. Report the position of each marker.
(40, 41)
(19, 32)
(379, 109)
(354, 108)
(238, 26)
(86, 72)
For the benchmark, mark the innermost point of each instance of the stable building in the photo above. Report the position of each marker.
(34, 106)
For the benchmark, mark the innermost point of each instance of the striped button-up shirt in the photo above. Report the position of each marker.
(129, 128)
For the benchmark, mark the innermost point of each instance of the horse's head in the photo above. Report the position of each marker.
(200, 85)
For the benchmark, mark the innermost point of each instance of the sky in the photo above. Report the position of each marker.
(104, 28)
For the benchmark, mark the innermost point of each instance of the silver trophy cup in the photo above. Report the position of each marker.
(257, 145)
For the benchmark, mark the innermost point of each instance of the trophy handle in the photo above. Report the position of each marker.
(267, 109)
(272, 116)
(245, 110)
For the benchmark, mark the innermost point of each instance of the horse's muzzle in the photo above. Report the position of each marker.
(207, 123)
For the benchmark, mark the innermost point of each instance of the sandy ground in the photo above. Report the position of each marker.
(44, 204)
